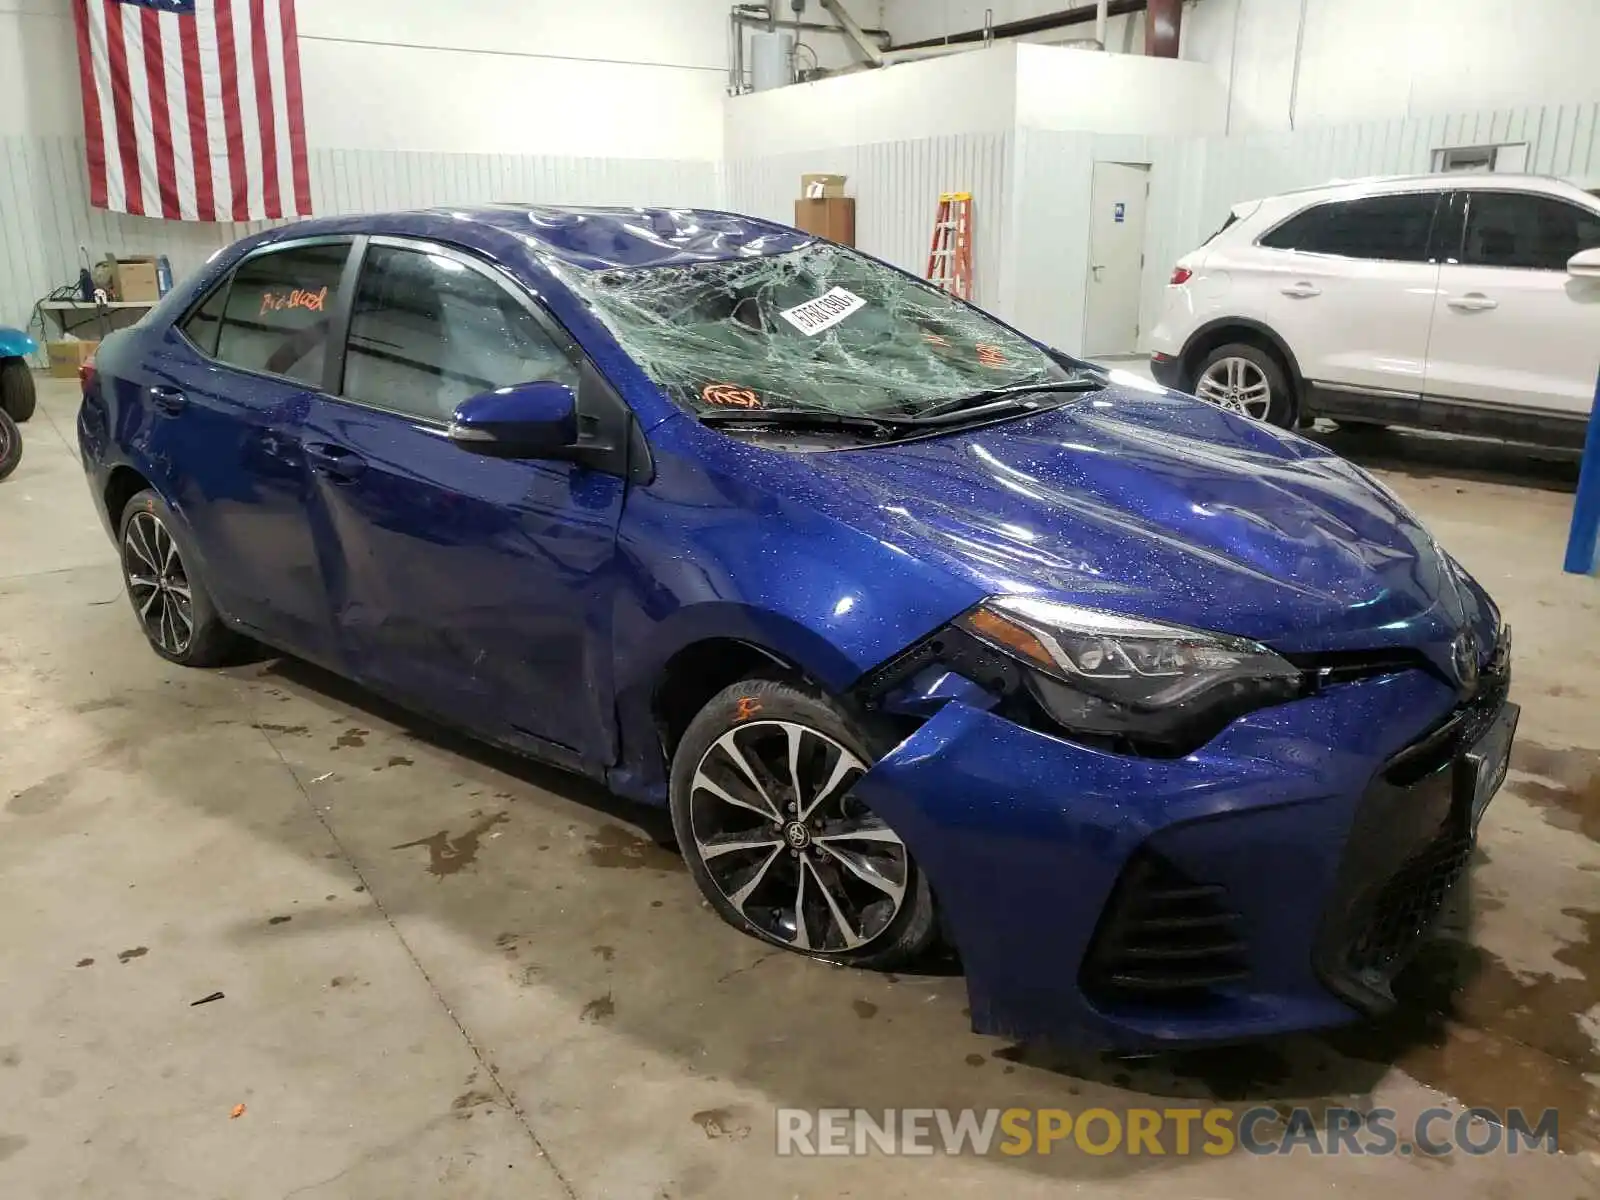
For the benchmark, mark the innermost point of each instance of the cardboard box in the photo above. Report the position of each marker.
(67, 356)
(821, 187)
(833, 219)
(136, 279)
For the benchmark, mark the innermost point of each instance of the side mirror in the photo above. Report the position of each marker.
(1585, 263)
(526, 420)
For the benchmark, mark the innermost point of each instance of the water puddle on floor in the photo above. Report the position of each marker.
(446, 854)
(1568, 790)
(1487, 1036)
(614, 846)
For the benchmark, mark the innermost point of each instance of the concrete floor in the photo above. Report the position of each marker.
(449, 973)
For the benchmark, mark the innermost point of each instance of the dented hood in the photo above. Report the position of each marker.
(1161, 506)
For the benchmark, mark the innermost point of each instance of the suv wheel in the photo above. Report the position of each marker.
(1246, 380)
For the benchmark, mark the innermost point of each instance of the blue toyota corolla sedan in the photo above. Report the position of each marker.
(1175, 726)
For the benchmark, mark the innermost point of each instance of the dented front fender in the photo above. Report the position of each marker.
(1022, 837)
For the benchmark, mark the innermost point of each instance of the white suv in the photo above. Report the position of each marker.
(1465, 303)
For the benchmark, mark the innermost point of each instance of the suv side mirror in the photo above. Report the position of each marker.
(1585, 263)
(526, 420)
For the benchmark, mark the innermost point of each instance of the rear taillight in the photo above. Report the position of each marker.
(1180, 275)
(86, 373)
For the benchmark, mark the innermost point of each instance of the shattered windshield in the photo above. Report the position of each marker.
(819, 328)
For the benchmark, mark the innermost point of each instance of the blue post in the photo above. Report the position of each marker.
(1585, 532)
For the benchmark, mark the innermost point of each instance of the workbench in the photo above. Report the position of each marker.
(72, 315)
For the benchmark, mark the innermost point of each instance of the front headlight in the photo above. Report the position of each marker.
(1163, 687)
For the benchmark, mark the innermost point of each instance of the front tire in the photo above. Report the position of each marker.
(171, 603)
(17, 396)
(762, 807)
(1246, 380)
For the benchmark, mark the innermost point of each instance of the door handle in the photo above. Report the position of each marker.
(336, 462)
(168, 400)
(1097, 268)
(1472, 302)
(1302, 290)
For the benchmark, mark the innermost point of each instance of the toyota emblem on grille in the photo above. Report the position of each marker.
(1464, 659)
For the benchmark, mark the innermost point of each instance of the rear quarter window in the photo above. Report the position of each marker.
(204, 321)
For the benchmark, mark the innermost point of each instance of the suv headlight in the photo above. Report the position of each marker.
(1164, 688)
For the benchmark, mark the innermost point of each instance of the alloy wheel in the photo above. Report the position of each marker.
(1238, 385)
(158, 583)
(788, 846)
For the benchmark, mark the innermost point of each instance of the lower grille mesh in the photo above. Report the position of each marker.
(1409, 844)
(1401, 911)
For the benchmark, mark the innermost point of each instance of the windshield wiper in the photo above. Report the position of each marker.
(1001, 397)
(990, 402)
(807, 418)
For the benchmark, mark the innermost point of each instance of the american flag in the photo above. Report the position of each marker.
(191, 108)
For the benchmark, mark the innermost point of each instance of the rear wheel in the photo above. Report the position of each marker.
(1245, 379)
(763, 808)
(173, 607)
(10, 445)
(16, 389)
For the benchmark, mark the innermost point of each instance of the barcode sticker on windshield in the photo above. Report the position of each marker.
(826, 311)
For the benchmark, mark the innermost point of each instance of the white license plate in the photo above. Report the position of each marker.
(1488, 761)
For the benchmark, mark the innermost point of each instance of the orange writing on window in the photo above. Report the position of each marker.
(990, 356)
(729, 396)
(295, 298)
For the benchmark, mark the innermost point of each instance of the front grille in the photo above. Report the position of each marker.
(1163, 936)
(1442, 745)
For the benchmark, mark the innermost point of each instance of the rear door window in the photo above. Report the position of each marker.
(427, 331)
(1516, 229)
(1387, 228)
(279, 309)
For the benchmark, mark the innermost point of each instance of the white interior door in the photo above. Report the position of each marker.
(1116, 258)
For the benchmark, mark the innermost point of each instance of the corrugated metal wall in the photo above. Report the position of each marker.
(897, 186)
(45, 214)
(1050, 268)
(1031, 196)
(374, 181)
(1050, 257)
(45, 217)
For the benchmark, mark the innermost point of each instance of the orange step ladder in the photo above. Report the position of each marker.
(950, 255)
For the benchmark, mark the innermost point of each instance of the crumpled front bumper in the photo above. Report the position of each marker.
(1023, 837)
